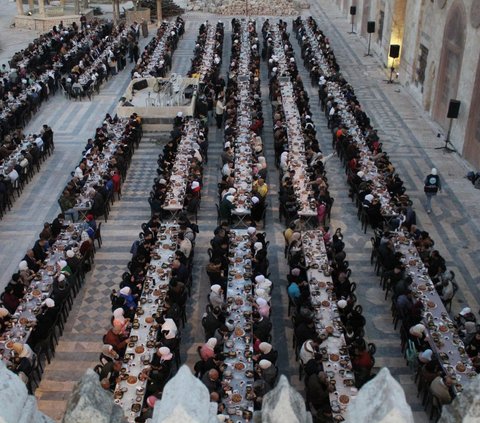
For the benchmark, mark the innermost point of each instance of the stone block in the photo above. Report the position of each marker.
(89, 402)
(382, 400)
(284, 404)
(16, 405)
(175, 406)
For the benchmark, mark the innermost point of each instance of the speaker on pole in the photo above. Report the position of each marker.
(370, 31)
(453, 109)
(353, 12)
(394, 51)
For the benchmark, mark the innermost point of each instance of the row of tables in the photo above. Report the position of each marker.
(296, 144)
(238, 376)
(335, 355)
(130, 390)
(210, 49)
(157, 57)
(366, 161)
(109, 46)
(245, 138)
(100, 165)
(25, 317)
(179, 175)
(442, 334)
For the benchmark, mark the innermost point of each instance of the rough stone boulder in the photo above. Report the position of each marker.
(284, 404)
(16, 405)
(465, 408)
(185, 399)
(381, 400)
(89, 402)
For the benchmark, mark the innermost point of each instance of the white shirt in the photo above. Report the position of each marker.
(39, 143)
(78, 172)
(185, 247)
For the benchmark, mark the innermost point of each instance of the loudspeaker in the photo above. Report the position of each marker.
(140, 85)
(353, 10)
(371, 27)
(394, 51)
(453, 109)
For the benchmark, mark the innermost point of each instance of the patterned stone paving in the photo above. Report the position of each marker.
(408, 136)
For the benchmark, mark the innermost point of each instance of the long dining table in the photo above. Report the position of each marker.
(179, 176)
(245, 139)
(335, 355)
(366, 160)
(130, 391)
(297, 161)
(24, 319)
(238, 348)
(442, 335)
(99, 167)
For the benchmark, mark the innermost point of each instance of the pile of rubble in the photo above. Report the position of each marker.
(246, 7)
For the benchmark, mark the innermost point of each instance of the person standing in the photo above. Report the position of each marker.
(219, 110)
(431, 187)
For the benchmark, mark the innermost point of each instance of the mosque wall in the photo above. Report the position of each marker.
(439, 57)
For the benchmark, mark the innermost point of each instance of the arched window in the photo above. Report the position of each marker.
(450, 61)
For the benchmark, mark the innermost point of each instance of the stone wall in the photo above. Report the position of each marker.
(423, 23)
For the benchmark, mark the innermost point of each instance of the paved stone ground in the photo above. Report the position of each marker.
(409, 138)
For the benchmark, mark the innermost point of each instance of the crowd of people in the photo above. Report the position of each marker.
(192, 177)
(207, 54)
(156, 58)
(289, 201)
(218, 326)
(408, 309)
(20, 158)
(59, 262)
(126, 300)
(240, 109)
(96, 180)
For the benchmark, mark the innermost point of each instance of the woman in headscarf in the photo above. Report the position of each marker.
(207, 350)
(130, 302)
(262, 306)
(216, 296)
(119, 320)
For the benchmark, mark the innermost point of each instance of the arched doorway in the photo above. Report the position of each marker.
(471, 149)
(450, 61)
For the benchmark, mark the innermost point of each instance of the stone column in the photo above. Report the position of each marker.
(19, 7)
(159, 12)
(76, 4)
(31, 5)
(41, 7)
(62, 3)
